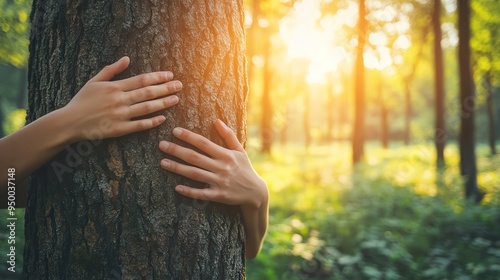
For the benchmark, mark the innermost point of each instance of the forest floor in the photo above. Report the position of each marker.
(392, 217)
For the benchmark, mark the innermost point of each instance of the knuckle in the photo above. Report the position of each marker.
(193, 157)
(149, 93)
(147, 107)
(143, 124)
(195, 173)
(143, 80)
(203, 142)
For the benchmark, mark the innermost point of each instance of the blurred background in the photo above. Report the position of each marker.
(355, 126)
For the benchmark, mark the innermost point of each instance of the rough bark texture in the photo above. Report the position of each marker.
(440, 129)
(358, 138)
(115, 214)
(467, 104)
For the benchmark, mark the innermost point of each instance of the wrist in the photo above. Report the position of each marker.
(259, 198)
(65, 127)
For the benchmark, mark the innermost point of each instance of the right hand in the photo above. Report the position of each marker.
(112, 107)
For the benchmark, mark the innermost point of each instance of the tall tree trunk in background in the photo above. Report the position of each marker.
(330, 109)
(408, 112)
(284, 128)
(440, 129)
(306, 117)
(384, 114)
(490, 110)
(467, 104)
(358, 137)
(407, 80)
(105, 209)
(266, 129)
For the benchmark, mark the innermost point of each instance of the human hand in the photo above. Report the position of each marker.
(105, 108)
(228, 172)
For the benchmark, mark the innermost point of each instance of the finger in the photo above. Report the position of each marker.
(148, 107)
(108, 72)
(199, 142)
(144, 80)
(202, 194)
(152, 92)
(140, 125)
(229, 137)
(188, 155)
(190, 172)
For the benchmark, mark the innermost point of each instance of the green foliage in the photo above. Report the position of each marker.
(392, 218)
(15, 121)
(14, 30)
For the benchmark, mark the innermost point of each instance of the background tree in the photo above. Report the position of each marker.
(467, 104)
(439, 93)
(358, 136)
(485, 57)
(111, 212)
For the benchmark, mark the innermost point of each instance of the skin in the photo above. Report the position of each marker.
(230, 177)
(105, 108)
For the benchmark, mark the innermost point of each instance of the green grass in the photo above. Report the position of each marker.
(394, 217)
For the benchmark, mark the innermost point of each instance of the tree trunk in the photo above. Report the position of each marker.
(440, 129)
(384, 114)
(305, 118)
(105, 209)
(408, 113)
(330, 109)
(358, 137)
(467, 104)
(266, 129)
(490, 109)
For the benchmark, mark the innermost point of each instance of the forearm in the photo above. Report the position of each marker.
(30, 147)
(255, 218)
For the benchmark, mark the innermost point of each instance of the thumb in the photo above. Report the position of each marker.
(108, 72)
(228, 135)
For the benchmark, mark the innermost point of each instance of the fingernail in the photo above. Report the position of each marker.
(177, 85)
(179, 189)
(169, 75)
(173, 99)
(165, 163)
(177, 131)
(164, 145)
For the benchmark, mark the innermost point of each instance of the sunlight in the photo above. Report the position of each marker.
(309, 37)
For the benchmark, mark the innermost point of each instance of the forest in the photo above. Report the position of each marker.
(374, 123)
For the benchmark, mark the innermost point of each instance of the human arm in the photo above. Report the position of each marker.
(101, 109)
(231, 178)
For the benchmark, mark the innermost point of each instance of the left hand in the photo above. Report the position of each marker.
(231, 178)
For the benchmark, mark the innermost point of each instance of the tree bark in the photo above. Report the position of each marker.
(358, 137)
(105, 209)
(467, 105)
(439, 93)
(490, 110)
